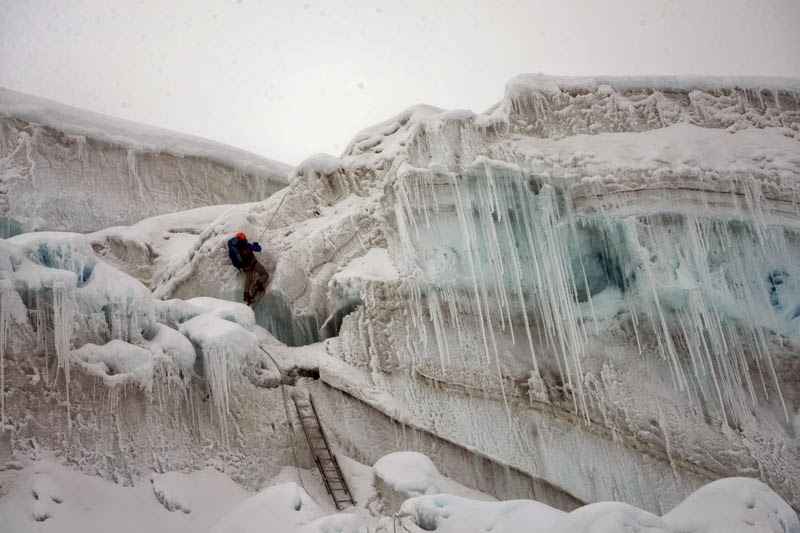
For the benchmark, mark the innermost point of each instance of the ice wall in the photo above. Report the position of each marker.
(67, 169)
(613, 262)
(117, 383)
(595, 283)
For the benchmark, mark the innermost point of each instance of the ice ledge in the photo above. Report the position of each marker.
(133, 135)
(554, 84)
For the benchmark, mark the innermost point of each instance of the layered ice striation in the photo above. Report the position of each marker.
(713, 292)
(63, 168)
(620, 251)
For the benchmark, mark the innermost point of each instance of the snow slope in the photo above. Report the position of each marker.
(63, 168)
(593, 285)
(46, 496)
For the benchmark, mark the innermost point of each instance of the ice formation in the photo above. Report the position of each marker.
(63, 168)
(591, 289)
(92, 339)
(613, 260)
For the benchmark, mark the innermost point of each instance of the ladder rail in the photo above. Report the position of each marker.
(333, 457)
(313, 453)
(335, 475)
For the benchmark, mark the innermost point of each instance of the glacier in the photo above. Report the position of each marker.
(69, 169)
(589, 292)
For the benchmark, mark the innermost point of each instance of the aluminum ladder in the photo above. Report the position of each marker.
(321, 450)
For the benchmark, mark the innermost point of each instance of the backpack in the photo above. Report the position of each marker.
(239, 252)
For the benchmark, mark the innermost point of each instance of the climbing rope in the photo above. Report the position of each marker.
(273, 215)
(288, 419)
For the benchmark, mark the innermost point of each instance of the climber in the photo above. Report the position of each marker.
(255, 275)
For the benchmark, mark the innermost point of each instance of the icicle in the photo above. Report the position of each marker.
(63, 311)
(5, 305)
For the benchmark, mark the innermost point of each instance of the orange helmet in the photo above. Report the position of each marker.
(241, 236)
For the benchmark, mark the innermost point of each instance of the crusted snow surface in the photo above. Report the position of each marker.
(732, 504)
(46, 494)
(409, 472)
(63, 168)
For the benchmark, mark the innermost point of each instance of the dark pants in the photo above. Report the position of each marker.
(254, 273)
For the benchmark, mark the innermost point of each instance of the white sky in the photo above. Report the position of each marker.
(287, 79)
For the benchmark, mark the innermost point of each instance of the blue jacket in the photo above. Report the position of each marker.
(241, 252)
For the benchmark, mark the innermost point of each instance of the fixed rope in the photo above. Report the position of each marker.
(288, 418)
(273, 215)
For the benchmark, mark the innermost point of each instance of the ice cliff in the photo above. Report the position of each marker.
(68, 169)
(596, 279)
(595, 284)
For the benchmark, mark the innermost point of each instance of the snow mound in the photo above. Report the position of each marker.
(117, 362)
(286, 508)
(47, 494)
(446, 513)
(197, 491)
(320, 164)
(731, 505)
(407, 473)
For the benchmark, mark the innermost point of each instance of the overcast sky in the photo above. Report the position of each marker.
(287, 79)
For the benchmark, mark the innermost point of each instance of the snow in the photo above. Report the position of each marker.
(321, 164)
(733, 505)
(593, 287)
(375, 265)
(408, 472)
(49, 497)
(137, 137)
(46, 496)
(285, 507)
(117, 362)
(542, 83)
(452, 514)
(110, 171)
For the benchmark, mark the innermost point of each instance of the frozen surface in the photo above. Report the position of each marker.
(735, 505)
(63, 168)
(410, 473)
(46, 496)
(595, 284)
(139, 137)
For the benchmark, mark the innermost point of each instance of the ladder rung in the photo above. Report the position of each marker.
(326, 461)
